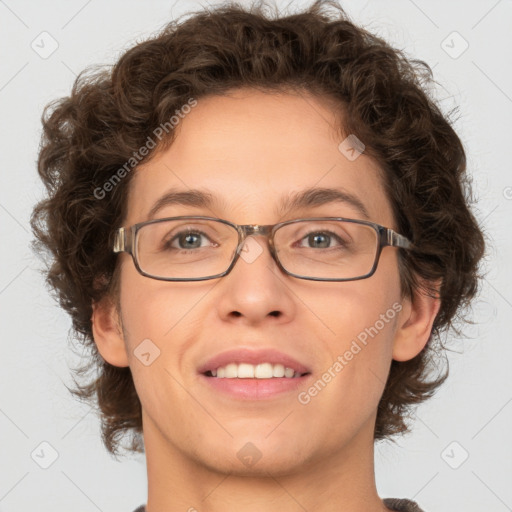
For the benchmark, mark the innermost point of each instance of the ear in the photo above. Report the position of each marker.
(415, 324)
(108, 333)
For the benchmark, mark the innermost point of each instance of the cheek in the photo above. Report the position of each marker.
(159, 322)
(156, 309)
(355, 309)
(360, 319)
(363, 332)
(349, 386)
(157, 318)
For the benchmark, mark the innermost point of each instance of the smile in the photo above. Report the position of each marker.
(253, 371)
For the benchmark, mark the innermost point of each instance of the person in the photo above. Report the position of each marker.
(260, 225)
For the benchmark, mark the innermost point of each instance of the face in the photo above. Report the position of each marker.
(250, 150)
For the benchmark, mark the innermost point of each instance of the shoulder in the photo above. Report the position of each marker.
(401, 505)
(396, 504)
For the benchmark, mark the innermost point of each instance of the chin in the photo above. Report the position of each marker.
(256, 457)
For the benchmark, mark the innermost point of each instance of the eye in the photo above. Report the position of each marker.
(186, 240)
(322, 239)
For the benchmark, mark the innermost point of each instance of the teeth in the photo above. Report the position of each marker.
(254, 371)
(230, 371)
(278, 370)
(288, 372)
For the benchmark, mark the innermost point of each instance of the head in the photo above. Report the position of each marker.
(253, 110)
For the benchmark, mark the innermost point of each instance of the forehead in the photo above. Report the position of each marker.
(254, 154)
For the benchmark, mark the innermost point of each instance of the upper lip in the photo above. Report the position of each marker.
(242, 355)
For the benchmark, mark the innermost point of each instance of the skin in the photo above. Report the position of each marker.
(249, 148)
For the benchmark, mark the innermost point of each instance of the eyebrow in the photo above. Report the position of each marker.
(309, 198)
(192, 197)
(314, 197)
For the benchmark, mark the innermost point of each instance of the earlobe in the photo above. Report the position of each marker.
(415, 325)
(108, 333)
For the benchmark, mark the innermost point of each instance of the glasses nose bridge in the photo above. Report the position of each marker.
(255, 229)
(265, 230)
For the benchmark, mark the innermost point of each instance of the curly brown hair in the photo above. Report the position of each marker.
(89, 135)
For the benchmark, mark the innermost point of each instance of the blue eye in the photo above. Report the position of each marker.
(185, 240)
(322, 238)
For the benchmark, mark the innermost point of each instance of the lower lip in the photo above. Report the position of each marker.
(255, 389)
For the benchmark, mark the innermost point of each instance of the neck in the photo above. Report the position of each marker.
(178, 481)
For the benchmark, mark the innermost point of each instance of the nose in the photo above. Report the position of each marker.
(256, 289)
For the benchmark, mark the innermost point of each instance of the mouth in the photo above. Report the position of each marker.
(254, 371)
(253, 375)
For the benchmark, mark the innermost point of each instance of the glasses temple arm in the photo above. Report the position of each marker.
(395, 239)
(120, 240)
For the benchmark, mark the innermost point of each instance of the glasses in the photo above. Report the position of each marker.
(196, 248)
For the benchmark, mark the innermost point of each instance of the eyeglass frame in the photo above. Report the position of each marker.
(125, 238)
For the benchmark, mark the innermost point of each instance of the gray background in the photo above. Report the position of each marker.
(471, 414)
